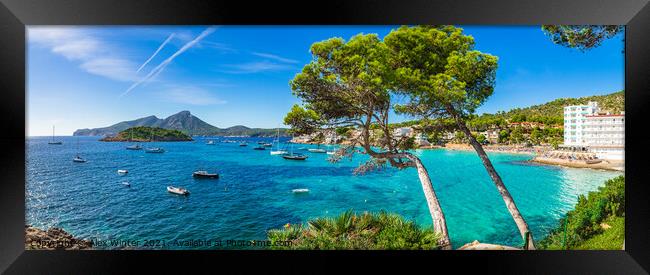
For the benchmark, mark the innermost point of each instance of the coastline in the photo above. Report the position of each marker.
(529, 151)
(604, 165)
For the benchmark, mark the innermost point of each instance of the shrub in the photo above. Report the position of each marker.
(351, 231)
(584, 221)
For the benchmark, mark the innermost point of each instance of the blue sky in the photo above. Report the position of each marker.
(88, 77)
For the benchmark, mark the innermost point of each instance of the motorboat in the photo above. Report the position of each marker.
(134, 147)
(211, 142)
(155, 150)
(279, 152)
(126, 183)
(316, 150)
(122, 172)
(259, 148)
(202, 174)
(78, 159)
(177, 190)
(243, 144)
(267, 144)
(300, 190)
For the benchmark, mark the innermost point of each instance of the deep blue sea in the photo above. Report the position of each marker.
(254, 191)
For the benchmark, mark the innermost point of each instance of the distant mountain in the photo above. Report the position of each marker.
(183, 121)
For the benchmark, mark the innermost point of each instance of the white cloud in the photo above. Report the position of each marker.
(93, 54)
(276, 57)
(191, 95)
(256, 67)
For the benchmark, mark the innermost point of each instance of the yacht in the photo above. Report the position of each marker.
(54, 142)
(202, 174)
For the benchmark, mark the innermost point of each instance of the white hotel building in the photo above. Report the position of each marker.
(587, 128)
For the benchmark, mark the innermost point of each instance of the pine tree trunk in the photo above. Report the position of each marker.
(507, 198)
(438, 217)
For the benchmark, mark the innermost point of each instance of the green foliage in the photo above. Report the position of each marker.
(517, 135)
(367, 231)
(582, 37)
(301, 120)
(343, 131)
(584, 221)
(143, 133)
(436, 67)
(481, 139)
(552, 113)
(609, 239)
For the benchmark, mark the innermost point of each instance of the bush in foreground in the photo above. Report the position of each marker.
(596, 217)
(351, 231)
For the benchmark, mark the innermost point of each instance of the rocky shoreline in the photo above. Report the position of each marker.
(53, 238)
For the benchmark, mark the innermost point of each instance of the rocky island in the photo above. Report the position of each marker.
(147, 134)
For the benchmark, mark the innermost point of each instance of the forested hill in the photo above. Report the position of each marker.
(554, 110)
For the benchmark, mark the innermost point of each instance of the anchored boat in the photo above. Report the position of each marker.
(53, 142)
(202, 174)
(177, 190)
(155, 150)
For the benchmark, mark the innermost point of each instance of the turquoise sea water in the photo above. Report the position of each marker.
(254, 194)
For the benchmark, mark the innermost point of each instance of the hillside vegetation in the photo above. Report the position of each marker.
(143, 133)
(597, 221)
(614, 103)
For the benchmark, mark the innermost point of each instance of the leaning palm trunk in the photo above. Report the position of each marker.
(507, 198)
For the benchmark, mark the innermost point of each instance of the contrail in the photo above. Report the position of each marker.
(158, 69)
(156, 52)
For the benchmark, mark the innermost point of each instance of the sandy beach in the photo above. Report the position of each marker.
(605, 164)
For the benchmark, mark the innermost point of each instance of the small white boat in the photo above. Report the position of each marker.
(126, 183)
(78, 159)
(155, 150)
(316, 150)
(122, 172)
(211, 142)
(279, 152)
(177, 190)
(300, 190)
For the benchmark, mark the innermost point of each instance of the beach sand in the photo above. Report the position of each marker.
(605, 164)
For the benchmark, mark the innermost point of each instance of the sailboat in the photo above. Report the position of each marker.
(53, 142)
(277, 151)
(78, 158)
(133, 146)
(292, 156)
(154, 149)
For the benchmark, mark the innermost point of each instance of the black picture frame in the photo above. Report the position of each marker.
(16, 14)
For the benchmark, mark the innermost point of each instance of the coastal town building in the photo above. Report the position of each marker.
(402, 132)
(587, 128)
(421, 140)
